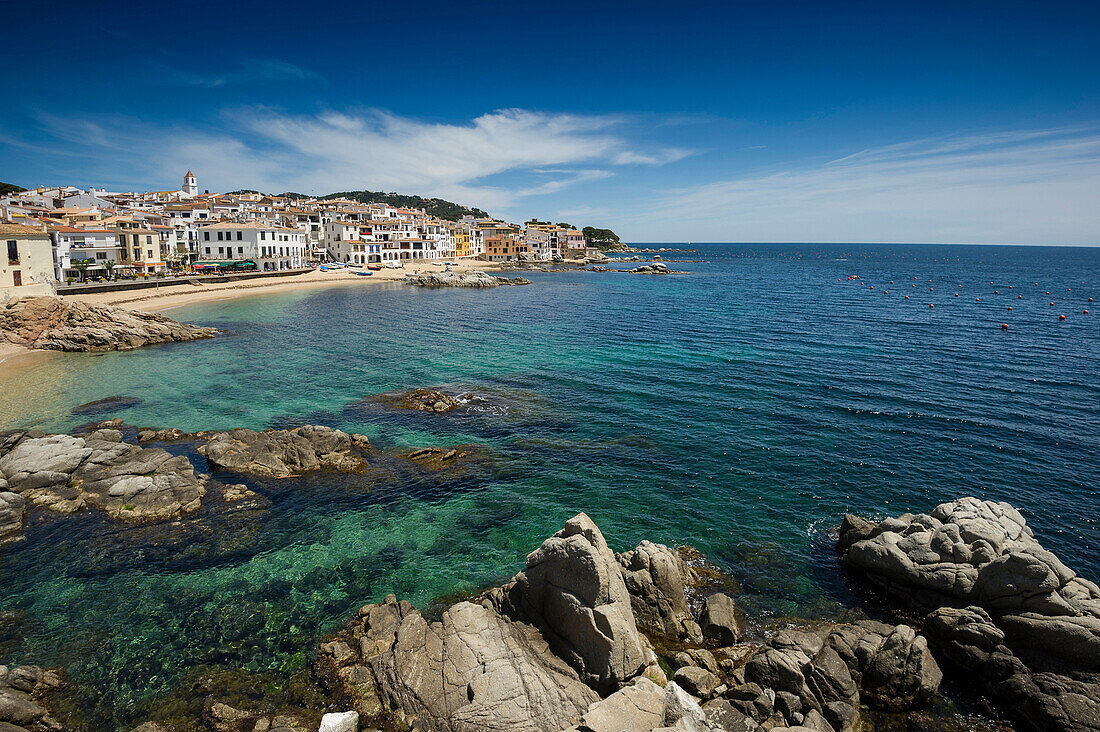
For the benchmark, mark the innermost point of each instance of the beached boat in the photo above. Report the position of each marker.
(374, 267)
(365, 274)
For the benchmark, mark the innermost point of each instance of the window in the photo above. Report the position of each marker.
(221, 250)
(13, 252)
(219, 236)
(206, 237)
(263, 235)
(150, 253)
(239, 235)
(208, 250)
(101, 255)
(137, 253)
(240, 250)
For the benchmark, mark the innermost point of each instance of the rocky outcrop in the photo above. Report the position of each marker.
(468, 278)
(1004, 610)
(472, 670)
(655, 268)
(655, 577)
(830, 672)
(66, 473)
(424, 400)
(21, 689)
(573, 591)
(69, 325)
(645, 706)
(283, 453)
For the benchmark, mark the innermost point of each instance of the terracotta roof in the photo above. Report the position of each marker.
(22, 231)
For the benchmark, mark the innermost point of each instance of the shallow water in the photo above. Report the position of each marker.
(742, 408)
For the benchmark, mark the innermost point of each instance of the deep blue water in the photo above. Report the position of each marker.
(741, 408)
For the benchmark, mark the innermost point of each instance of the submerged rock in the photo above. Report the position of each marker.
(284, 453)
(1005, 611)
(63, 325)
(108, 404)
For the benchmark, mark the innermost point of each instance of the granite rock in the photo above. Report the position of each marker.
(284, 453)
(70, 325)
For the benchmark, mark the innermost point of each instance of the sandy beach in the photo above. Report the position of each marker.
(173, 296)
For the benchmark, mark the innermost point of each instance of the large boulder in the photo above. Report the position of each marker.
(970, 641)
(720, 620)
(70, 325)
(20, 689)
(967, 552)
(573, 591)
(655, 577)
(284, 453)
(832, 671)
(1005, 610)
(66, 473)
(472, 670)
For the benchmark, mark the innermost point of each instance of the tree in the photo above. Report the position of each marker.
(109, 265)
(602, 238)
(564, 225)
(81, 266)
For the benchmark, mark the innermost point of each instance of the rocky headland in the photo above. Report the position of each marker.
(55, 324)
(468, 278)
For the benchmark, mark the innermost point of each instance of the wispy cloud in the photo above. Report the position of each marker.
(272, 150)
(1016, 186)
(250, 71)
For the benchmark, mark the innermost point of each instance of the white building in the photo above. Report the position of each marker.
(26, 267)
(94, 246)
(266, 245)
(190, 185)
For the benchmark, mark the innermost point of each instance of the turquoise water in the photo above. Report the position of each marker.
(741, 408)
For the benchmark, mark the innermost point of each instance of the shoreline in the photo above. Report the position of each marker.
(182, 294)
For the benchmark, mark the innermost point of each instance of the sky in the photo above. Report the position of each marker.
(962, 122)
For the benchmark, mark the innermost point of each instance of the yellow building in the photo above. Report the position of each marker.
(26, 263)
(463, 248)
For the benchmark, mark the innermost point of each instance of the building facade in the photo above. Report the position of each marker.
(26, 262)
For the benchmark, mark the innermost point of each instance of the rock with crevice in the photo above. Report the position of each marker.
(285, 453)
(573, 591)
(70, 325)
(655, 576)
(720, 620)
(474, 669)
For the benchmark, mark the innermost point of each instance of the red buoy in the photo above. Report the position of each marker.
(931, 289)
(996, 292)
(931, 305)
(1019, 297)
(1052, 304)
(885, 292)
(1004, 326)
(906, 297)
(977, 299)
(1090, 299)
(956, 294)
(1009, 307)
(1086, 312)
(1061, 317)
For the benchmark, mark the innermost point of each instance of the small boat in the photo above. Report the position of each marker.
(374, 267)
(324, 269)
(436, 263)
(365, 274)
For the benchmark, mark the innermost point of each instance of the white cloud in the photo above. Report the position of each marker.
(274, 151)
(1036, 186)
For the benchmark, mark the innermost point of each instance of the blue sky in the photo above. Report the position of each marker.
(744, 121)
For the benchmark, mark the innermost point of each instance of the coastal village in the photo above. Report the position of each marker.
(64, 235)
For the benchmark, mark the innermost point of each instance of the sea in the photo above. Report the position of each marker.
(741, 406)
